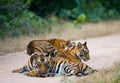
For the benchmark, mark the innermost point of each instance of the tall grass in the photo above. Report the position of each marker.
(110, 75)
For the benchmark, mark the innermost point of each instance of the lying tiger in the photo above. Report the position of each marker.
(62, 66)
(37, 65)
(55, 46)
(42, 66)
(48, 46)
(75, 53)
(72, 53)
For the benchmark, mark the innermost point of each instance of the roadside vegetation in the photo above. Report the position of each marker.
(31, 17)
(109, 75)
(67, 31)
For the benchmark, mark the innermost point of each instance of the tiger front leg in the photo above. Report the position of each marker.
(51, 74)
(18, 70)
(35, 73)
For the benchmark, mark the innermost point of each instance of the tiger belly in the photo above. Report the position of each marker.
(65, 68)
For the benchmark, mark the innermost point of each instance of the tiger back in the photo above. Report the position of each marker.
(40, 46)
(48, 46)
(60, 43)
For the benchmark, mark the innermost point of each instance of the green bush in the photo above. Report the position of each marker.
(25, 17)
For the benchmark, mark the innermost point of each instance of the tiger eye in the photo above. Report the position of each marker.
(38, 62)
(42, 60)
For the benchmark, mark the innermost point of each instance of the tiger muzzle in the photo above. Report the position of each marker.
(43, 73)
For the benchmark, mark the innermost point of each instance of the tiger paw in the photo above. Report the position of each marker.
(28, 74)
(79, 74)
(51, 75)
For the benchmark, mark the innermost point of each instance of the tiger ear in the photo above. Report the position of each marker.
(33, 56)
(85, 43)
(68, 43)
(79, 45)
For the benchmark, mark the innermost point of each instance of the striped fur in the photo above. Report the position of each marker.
(47, 46)
(59, 66)
(60, 43)
(79, 50)
(40, 46)
(37, 66)
(75, 53)
(65, 67)
(53, 46)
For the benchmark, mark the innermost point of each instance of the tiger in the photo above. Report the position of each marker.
(36, 66)
(52, 66)
(76, 53)
(47, 46)
(79, 50)
(66, 67)
(53, 46)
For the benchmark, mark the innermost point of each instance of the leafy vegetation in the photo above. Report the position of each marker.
(26, 17)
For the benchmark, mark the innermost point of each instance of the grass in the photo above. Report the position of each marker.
(110, 75)
(64, 30)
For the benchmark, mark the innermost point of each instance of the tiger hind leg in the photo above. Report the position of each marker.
(86, 72)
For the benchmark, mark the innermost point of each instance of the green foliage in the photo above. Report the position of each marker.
(30, 16)
(81, 17)
(16, 19)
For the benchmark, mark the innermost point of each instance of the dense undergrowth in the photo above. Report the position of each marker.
(26, 17)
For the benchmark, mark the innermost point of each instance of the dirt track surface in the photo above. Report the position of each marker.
(104, 52)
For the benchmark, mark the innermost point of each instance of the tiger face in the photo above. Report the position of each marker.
(41, 63)
(80, 50)
(37, 65)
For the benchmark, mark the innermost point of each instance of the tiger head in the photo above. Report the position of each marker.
(80, 50)
(41, 62)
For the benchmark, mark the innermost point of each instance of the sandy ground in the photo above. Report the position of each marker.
(104, 52)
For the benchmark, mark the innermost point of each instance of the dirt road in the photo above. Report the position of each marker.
(104, 51)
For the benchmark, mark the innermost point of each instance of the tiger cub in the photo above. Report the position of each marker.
(75, 53)
(79, 50)
(36, 66)
(51, 66)
(56, 46)
(47, 46)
